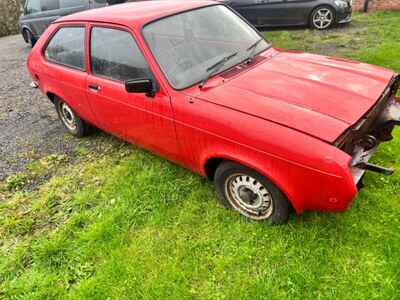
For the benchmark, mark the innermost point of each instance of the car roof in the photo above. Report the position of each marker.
(135, 14)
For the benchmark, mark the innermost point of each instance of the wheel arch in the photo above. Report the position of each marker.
(52, 96)
(212, 162)
(54, 93)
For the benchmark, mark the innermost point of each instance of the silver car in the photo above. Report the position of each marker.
(38, 14)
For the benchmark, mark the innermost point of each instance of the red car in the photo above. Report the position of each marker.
(195, 83)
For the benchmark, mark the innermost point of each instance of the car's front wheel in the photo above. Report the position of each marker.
(322, 17)
(250, 193)
(71, 121)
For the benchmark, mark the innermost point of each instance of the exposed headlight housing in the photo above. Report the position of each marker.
(341, 3)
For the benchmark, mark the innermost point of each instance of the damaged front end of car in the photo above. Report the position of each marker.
(362, 140)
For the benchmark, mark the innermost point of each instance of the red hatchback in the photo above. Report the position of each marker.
(195, 83)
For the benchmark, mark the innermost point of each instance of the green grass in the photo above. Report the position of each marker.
(121, 223)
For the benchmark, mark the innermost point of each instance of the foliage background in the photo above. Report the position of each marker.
(9, 14)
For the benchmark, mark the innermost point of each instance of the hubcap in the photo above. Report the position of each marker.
(323, 18)
(249, 196)
(67, 116)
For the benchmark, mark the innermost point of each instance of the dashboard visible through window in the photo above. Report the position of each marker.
(188, 44)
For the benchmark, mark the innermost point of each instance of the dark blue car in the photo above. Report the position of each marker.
(319, 14)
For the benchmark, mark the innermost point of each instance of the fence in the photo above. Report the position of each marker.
(377, 5)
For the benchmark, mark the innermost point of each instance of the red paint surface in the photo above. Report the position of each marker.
(278, 116)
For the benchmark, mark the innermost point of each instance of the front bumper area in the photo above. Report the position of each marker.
(363, 139)
(389, 118)
(344, 15)
(347, 19)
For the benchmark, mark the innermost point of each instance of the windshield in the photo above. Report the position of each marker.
(188, 44)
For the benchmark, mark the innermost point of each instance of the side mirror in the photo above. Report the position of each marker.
(142, 86)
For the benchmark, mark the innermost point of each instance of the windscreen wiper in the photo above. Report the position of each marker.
(253, 48)
(216, 67)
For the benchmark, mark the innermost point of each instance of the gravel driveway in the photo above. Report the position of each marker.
(29, 128)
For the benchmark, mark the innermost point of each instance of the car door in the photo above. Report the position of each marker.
(147, 121)
(247, 8)
(275, 13)
(299, 11)
(262, 12)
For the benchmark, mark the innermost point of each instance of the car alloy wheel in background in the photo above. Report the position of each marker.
(322, 18)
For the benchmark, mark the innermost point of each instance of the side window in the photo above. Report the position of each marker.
(49, 4)
(67, 47)
(121, 61)
(98, 3)
(72, 3)
(32, 6)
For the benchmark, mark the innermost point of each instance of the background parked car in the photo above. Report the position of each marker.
(38, 14)
(319, 14)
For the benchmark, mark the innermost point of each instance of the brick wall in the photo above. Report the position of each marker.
(377, 5)
(9, 14)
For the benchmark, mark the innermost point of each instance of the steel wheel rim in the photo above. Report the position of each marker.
(249, 196)
(67, 116)
(323, 18)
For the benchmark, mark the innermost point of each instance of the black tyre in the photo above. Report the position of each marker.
(71, 121)
(250, 193)
(29, 38)
(322, 17)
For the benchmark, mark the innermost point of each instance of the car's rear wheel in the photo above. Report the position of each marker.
(322, 17)
(71, 121)
(250, 193)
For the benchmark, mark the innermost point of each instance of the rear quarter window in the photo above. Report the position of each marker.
(67, 47)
